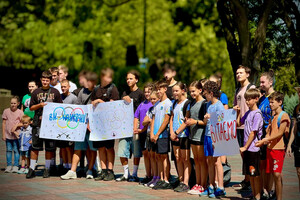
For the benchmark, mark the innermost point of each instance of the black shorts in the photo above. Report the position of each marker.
(240, 137)
(64, 144)
(143, 138)
(197, 143)
(108, 144)
(296, 155)
(251, 159)
(38, 143)
(162, 146)
(263, 152)
(183, 143)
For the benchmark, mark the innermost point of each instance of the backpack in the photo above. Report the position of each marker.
(109, 90)
(185, 106)
(285, 137)
(248, 87)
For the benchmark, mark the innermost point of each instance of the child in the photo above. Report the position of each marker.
(107, 91)
(223, 97)
(179, 133)
(24, 141)
(54, 81)
(66, 147)
(277, 131)
(294, 142)
(128, 145)
(139, 129)
(252, 133)
(84, 97)
(197, 128)
(63, 74)
(26, 100)
(38, 100)
(212, 93)
(242, 75)
(11, 116)
(169, 74)
(150, 146)
(160, 135)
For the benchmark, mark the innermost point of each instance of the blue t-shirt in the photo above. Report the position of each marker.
(178, 119)
(218, 106)
(224, 98)
(25, 138)
(160, 111)
(264, 106)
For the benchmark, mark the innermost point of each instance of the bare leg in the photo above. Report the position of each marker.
(278, 185)
(211, 170)
(75, 160)
(69, 154)
(203, 167)
(92, 158)
(164, 160)
(23, 161)
(153, 164)
(220, 172)
(110, 158)
(34, 155)
(146, 155)
(185, 160)
(176, 151)
(196, 152)
(160, 166)
(103, 157)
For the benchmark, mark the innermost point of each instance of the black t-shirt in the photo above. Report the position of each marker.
(169, 91)
(296, 115)
(137, 96)
(41, 95)
(102, 93)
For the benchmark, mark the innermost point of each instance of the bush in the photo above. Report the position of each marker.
(290, 102)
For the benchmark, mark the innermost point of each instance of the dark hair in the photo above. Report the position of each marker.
(16, 97)
(252, 93)
(181, 85)
(211, 86)
(82, 73)
(277, 96)
(107, 71)
(161, 83)
(135, 73)
(168, 66)
(91, 76)
(33, 81)
(247, 69)
(151, 86)
(54, 69)
(47, 74)
(270, 76)
(197, 84)
(218, 76)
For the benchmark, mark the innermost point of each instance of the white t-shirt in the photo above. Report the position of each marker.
(72, 86)
(58, 87)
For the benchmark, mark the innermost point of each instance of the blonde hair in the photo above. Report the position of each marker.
(252, 93)
(64, 68)
(25, 118)
(107, 71)
(65, 81)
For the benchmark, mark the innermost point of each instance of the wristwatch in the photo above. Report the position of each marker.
(176, 133)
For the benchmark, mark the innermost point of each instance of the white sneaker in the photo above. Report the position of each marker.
(8, 169)
(69, 175)
(15, 169)
(89, 174)
(21, 171)
(26, 171)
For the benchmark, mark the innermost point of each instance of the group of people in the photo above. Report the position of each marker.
(169, 118)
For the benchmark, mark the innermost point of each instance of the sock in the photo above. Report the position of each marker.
(32, 164)
(61, 161)
(221, 188)
(52, 162)
(126, 171)
(135, 169)
(47, 164)
(65, 165)
(69, 165)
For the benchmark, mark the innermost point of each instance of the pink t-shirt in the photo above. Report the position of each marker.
(240, 100)
(12, 118)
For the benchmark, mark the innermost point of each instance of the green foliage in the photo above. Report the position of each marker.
(285, 79)
(290, 102)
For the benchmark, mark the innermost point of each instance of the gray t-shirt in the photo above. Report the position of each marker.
(70, 99)
(83, 96)
(197, 112)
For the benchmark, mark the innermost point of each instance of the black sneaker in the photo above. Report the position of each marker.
(134, 179)
(183, 188)
(165, 186)
(30, 174)
(101, 176)
(158, 184)
(109, 176)
(179, 187)
(60, 170)
(53, 171)
(122, 179)
(146, 180)
(46, 173)
(81, 173)
(246, 187)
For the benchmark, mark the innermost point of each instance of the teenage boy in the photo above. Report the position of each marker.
(63, 74)
(129, 145)
(38, 100)
(252, 133)
(32, 85)
(107, 91)
(82, 82)
(66, 148)
(84, 97)
(169, 73)
(159, 134)
(277, 132)
(54, 81)
(242, 75)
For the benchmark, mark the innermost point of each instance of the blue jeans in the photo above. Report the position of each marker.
(12, 146)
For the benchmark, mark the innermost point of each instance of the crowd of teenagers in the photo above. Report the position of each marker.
(169, 118)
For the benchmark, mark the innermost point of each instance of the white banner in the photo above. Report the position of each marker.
(223, 133)
(64, 122)
(111, 120)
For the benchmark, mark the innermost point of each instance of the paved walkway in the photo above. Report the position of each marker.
(15, 186)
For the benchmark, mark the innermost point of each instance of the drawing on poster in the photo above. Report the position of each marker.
(111, 120)
(64, 122)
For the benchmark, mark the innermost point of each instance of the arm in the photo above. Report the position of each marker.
(173, 136)
(127, 99)
(248, 143)
(146, 121)
(226, 107)
(135, 125)
(293, 133)
(152, 129)
(22, 108)
(3, 130)
(95, 102)
(37, 106)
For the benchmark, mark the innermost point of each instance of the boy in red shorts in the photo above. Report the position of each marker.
(277, 131)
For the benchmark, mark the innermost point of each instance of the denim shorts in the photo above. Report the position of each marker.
(208, 147)
(83, 146)
(25, 153)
